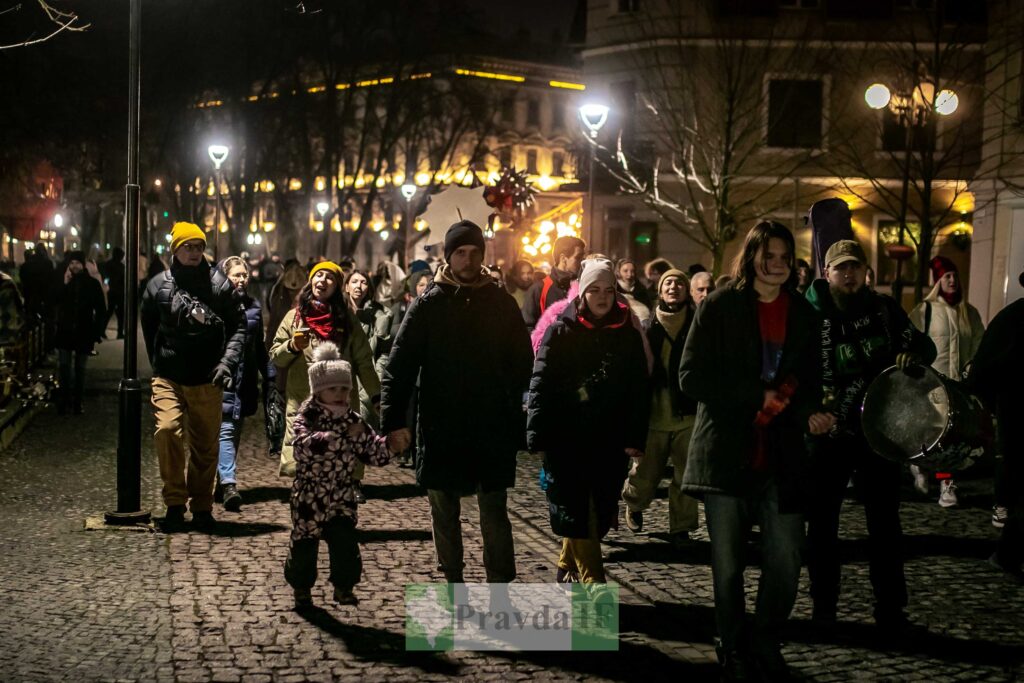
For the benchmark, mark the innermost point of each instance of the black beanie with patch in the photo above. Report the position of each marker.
(463, 233)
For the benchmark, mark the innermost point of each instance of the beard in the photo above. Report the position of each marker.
(847, 301)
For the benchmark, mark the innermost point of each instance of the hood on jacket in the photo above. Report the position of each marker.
(444, 277)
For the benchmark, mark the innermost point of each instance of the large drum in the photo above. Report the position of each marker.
(924, 419)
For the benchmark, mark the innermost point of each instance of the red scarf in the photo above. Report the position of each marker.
(320, 319)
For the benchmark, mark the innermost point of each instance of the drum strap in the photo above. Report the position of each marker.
(927, 316)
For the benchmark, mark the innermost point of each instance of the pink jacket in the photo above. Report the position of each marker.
(552, 313)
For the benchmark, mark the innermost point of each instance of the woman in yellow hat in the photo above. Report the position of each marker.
(320, 314)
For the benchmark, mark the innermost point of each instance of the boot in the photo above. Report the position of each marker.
(232, 499)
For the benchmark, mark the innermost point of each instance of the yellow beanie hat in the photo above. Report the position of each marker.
(183, 232)
(331, 266)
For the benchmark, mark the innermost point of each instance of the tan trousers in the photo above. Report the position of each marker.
(646, 473)
(584, 554)
(187, 441)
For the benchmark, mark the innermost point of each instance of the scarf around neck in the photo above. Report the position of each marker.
(672, 321)
(320, 319)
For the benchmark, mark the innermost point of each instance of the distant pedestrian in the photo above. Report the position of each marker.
(38, 283)
(588, 411)
(330, 441)
(701, 284)
(653, 270)
(282, 296)
(804, 276)
(519, 281)
(566, 256)
(955, 327)
(80, 317)
(243, 398)
(751, 361)
(320, 314)
(637, 296)
(113, 271)
(373, 317)
(672, 416)
(465, 340)
(194, 330)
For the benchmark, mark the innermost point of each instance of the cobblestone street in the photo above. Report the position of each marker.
(136, 605)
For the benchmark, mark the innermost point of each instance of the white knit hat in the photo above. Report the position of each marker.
(328, 369)
(596, 271)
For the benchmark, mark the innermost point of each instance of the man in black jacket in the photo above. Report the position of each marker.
(862, 334)
(751, 362)
(80, 317)
(195, 334)
(466, 342)
(113, 270)
(672, 413)
(997, 375)
(566, 257)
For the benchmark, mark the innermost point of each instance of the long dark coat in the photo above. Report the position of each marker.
(470, 349)
(589, 401)
(721, 369)
(81, 313)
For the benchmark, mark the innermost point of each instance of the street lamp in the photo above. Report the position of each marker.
(594, 116)
(912, 105)
(408, 191)
(218, 155)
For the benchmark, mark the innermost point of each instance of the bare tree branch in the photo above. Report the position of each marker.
(64, 21)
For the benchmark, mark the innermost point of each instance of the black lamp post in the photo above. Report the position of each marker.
(129, 392)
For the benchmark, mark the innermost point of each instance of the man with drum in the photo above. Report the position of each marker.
(862, 334)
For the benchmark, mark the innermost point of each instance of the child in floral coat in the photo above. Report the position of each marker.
(330, 440)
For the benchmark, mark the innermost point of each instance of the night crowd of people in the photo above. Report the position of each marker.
(746, 388)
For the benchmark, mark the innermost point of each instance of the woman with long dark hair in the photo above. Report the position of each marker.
(320, 314)
(372, 316)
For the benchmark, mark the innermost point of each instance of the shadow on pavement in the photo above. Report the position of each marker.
(230, 529)
(387, 535)
(923, 545)
(392, 491)
(944, 648)
(377, 645)
(669, 622)
(262, 494)
(631, 662)
(695, 552)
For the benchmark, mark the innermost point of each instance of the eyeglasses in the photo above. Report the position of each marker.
(195, 247)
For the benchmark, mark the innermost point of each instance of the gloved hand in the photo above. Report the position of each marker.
(300, 340)
(905, 361)
(222, 377)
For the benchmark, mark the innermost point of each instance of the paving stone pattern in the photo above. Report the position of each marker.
(120, 605)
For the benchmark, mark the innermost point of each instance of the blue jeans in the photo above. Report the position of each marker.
(230, 435)
(729, 519)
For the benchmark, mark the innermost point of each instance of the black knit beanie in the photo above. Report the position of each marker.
(462, 234)
(75, 256)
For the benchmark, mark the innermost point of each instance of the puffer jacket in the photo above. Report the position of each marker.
(244, 397)
(589, 401)
(956, 332)
(192, 322)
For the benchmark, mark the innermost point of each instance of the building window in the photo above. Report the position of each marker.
(627, 6)
(505, 156)
(896, 135)
(531, 162)
(889, 233)
(557, 163)
(532, 112)
(508, 109)
(558, 116)
(800, 4)
(795, 113)
(623, 108)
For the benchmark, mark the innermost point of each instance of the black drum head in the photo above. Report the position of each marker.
(904, 415)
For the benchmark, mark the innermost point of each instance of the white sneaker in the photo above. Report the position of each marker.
(947, 493)
(999, 515)
(920, 480)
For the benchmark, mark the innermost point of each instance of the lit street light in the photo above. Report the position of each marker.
(594, 116)
(912, 106)
(321, 208)
(218, 155)
(58, 221)
(408, 191)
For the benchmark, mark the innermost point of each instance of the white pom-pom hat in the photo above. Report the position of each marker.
(328, 369)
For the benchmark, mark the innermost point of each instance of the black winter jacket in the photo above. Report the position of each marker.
(559, 289)
(589, 401)
(81, 313)
(470, 349)
(656, 337)
(244, 397)
(721, 369)
(182, 347)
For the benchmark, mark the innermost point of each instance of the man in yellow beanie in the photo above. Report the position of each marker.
(195, 332)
